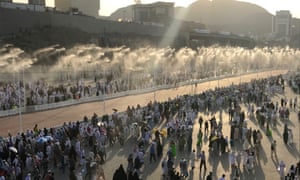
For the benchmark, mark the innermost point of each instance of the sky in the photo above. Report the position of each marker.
(109, 6)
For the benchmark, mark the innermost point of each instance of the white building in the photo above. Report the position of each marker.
(159, 13)
(282, 24)
(86, 7)
(62, 5)
(37, 5)
(123, 14)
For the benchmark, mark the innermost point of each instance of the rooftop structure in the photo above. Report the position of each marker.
(282, 24)
(87, 7)
(158, 13)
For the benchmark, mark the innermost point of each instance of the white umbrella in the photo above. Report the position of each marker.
(13, 149)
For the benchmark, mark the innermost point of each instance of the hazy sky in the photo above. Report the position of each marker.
(109, 6)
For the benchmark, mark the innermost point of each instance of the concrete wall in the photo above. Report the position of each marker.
(63, 5)
(40, 2)
(21, 6)
(11, 21)
(91, 25)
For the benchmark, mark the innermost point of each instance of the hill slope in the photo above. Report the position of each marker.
(230, 15)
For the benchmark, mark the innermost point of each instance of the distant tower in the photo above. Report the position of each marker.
(282, 24)
(137, 2)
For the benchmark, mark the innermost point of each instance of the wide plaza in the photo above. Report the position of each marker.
(266, 167)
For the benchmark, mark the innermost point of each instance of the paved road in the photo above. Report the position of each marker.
(56, 117)
(117, 155)
(266, 168)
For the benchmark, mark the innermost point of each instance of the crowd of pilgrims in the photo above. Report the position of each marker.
(294, 82)
(75, 146)
(43, 91)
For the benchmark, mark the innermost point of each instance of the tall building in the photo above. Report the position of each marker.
(86, 7)
(160, 13)
(62, 5)
(282, 24)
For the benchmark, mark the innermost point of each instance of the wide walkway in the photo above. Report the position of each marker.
(267, 168)
(57, 117)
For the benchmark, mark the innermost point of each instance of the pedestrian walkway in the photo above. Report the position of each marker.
(219, 165)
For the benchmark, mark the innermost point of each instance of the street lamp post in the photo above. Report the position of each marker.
(298, 124)
(154, 85)
(240, 74)
(20, 112)
(216, 70)
(104, 93)
(218, 82)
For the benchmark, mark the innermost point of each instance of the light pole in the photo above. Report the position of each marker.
(298, 123)
(105, 78)
(215, 64)
(154, 93)
(20, 112)
(240, 74)
(104, 92)
(218, 82)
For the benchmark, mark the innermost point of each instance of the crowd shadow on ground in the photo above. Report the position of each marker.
(293, 149)
(215, 160)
